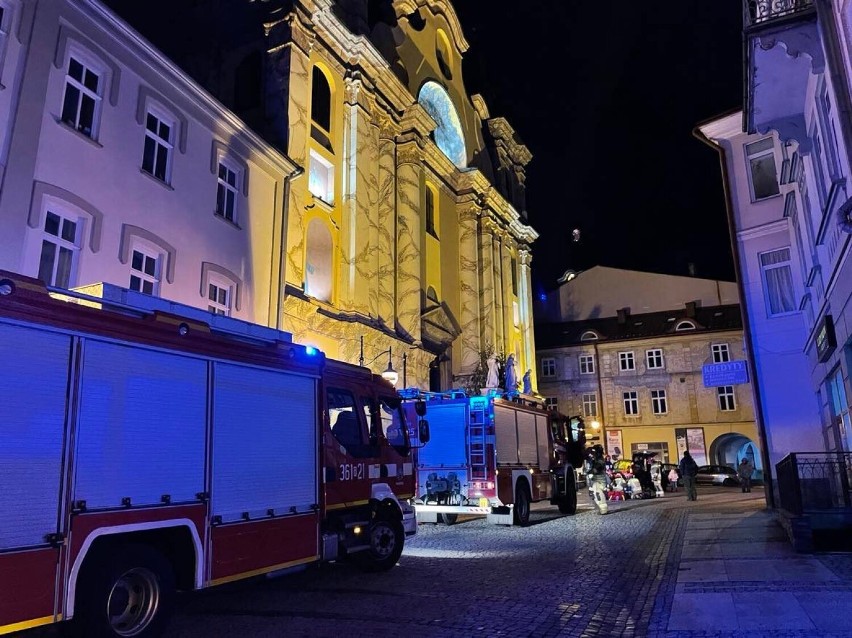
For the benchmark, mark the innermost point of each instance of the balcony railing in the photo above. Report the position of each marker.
(814, 481)
(761, 11)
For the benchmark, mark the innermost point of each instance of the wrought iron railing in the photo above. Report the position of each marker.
(760, 11)
(809, 481)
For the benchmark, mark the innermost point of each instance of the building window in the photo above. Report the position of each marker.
(590, 404)
(59, 248)
(761, 162)
(81, 103)
(721, 352)
(631, 403)
(548, 367)
(159, 143)
(514, 266)
(226, 193)
(654, 359)
(219, 299)
(589, 335)
(726, 398)
(658, 402)
(145, 271)
(320, 100)
(777, 281)
(430, 213)
(551, 403)
(587, 364)
(684, 325)
(626, 361)
(321, 178)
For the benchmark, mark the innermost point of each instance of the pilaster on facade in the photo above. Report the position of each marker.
(408, 238)
(487, 283)
(469, 269)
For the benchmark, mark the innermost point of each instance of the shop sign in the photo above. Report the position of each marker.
(691, 439)
(826, 340)
(728, 373)
(614, 443)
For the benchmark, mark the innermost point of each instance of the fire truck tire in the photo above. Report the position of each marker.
(127, 590)
(449, 519)
(386, 541)
(521, 511)
(568, 503)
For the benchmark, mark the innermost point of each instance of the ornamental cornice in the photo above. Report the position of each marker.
(358, 90)
(409, 152)
(416, 119)
(469, 211)
(437, 7)
(298, 31)
(503, 132)
(480, 107)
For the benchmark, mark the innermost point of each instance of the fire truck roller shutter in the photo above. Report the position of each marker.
(264, 442)
(34, 378)
(527, 444)
(541, 429)
(142, 424)
(447, 445)
(506, 433)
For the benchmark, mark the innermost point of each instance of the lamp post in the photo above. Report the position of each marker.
(389, 374)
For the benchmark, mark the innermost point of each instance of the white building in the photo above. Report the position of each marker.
(785, 162)
(116, 166)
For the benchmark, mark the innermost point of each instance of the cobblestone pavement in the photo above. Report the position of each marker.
(580, 576)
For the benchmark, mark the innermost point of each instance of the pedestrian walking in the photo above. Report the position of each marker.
(688, 470)
(597, 474)
(744, 471)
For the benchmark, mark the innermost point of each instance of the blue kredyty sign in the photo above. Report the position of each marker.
(728, 373)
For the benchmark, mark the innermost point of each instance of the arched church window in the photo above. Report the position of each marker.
(321, 100)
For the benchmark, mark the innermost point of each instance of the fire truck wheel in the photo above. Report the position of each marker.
(522, 504)
(568, 503)
(449, 519)
(386, 540)
(125, 591)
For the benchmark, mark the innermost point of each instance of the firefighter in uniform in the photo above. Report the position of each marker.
(597, 474)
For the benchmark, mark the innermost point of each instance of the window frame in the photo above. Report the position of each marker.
(148, 251)
(750, 157)
(234, 189)
(590, 404)
(90, 62)
(659, 402)
(315, 158)
(624, 357)
(60, 243)
(764, 268)
(655, 354)
(163, 117)
(551, 403)
(548, 367)
(726, 398)
(215, 306)
(587, 361)
(630, 402)
(721, 352)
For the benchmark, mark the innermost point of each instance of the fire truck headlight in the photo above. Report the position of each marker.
(531, 471)
(7, 287)
(183, 329)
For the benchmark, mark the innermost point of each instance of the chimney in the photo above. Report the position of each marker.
(690, 309)
(623, 313)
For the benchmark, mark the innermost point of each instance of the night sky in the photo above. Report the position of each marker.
(605, 96)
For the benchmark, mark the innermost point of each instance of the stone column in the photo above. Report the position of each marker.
(469, 287)
(508, 298)
(385, 281)
(408, 235)
(359, 156)
(525, 299)
(499, 297)
(487, 297)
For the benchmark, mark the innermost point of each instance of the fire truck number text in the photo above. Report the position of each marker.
(351, 471)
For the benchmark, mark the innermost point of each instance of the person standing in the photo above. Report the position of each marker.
(597, 475)
(688, 470)
(744, 471)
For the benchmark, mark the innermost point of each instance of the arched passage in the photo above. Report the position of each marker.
(729, 449)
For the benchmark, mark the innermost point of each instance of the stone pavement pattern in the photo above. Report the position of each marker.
(666, 568)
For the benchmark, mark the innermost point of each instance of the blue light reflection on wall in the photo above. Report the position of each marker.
(448, 136)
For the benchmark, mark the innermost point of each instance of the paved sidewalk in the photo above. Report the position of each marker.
(738, 576)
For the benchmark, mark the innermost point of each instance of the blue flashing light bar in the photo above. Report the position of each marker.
(311, 351)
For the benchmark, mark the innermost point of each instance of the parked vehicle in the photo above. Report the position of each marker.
(717, 475)
(148, 447)
(493, 456)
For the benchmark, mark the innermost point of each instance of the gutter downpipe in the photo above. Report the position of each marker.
(282, 260)
(768, 470)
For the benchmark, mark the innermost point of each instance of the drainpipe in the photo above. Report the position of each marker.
(602, 421)
(282, 259)
(768, 481)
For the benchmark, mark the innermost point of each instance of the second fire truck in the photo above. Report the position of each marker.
(494, 456)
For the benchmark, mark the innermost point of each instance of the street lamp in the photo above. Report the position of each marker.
(389, 374)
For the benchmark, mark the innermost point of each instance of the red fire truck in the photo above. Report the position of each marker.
(143, 452)
(494, 456)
